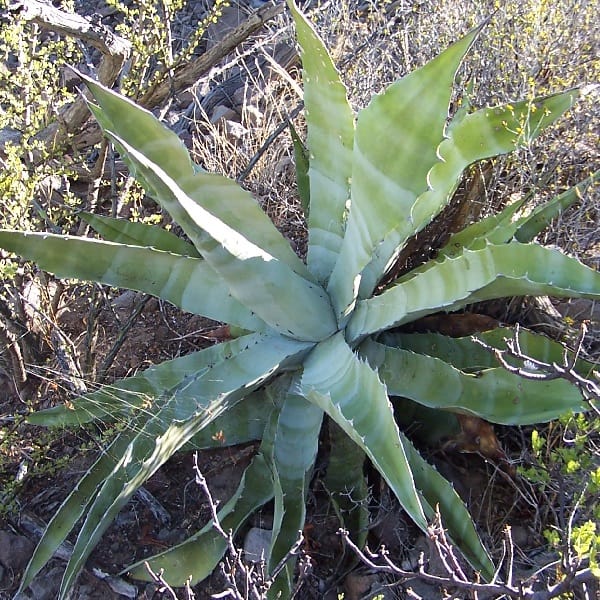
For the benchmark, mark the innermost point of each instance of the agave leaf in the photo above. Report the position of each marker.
(502, 227)
(393, 152)
(302, 165)
(485, 133)
(244, 423)
(345, 482)
(189, 283)
(496, 228)
(190, 407)
(132, 233)
(139, 392)
(494, 271)
(75, 505)
(222, 197)
(528, 227)
(438, 492)
(493, 394)
(330, 135)
(294, 454)
(467, 355)
(428, 426)
(350, 392)
(240, 262)
(196, 557)
(355, 398)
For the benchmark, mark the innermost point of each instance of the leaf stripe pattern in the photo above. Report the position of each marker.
(188, 283)
(241, 263)
(390, 164)
(476, 275)
(493, 394)
(353, 396)
(138, 128)
(330, 136)
(485, 133)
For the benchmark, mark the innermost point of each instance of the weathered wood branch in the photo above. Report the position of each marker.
(114, 49)
(186, 75)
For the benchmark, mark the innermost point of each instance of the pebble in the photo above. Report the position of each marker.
(256, 544)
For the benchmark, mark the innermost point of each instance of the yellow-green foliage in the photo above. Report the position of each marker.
(148, 26)
(31, 93)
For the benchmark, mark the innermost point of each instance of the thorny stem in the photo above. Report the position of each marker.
(456, 577)
(256, 584)
(589, 389)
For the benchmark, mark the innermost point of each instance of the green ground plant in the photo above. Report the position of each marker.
(564, 465)
(316, 339)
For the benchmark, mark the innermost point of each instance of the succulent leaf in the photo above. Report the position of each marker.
(467, 355)
(196, 557)
(494, 271)
(483, 134)
(191, 406)
(393, 152)
(528, 227)
(438, 492)
(493, 394)
(330, 136)
(189, 283)
(345, 482)
(138, 128)
(75, 505)
(350, 392)
(138, 392)
(238, 260)
(294, 453)
(130, 233)
(302, 166)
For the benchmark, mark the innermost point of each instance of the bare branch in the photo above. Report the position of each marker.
(457, 579)
(186, 75)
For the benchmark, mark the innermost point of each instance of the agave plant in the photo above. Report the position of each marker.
(314, 337)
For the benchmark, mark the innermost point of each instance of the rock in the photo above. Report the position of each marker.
(256, 544)
(15, 550)
(357, 585)
(235, 130)
(224, 113)
(47, 584)
(125, 301)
